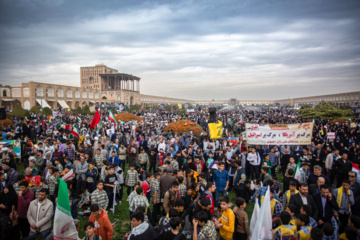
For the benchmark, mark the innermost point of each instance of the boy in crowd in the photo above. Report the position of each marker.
(131, 178)
(91, 176)
(293, 212)
(99, 196)
(182, 187)
(307, 210)
(155, 196)
(303, 226)
(242, 231)
(207, 231)
(286, 197)
(226, 222)
(109, 184)
(90, 232)
(285, 230)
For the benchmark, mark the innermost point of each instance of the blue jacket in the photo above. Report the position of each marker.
(115, 160)
(220, 179)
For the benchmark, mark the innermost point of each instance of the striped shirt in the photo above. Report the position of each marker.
(182, 190)
(138, 200)
(131, 178)
(155, 189)
(52, 184)
(100, 198)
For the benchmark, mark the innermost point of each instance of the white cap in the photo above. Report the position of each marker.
(96, 138)
(4, 149)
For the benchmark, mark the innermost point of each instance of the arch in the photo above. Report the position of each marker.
(118, 96)
(104, 98)
(131, 100)
(69, 93)
(39, 91)
(91, 94)
(4, 93)
(84, 103)
(84, 94)
(91, 80)
(60, 93)
(50, 92)
(27, 105)
(77, 104)
(77, 93)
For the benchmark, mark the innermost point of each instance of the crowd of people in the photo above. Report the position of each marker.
(179, 185)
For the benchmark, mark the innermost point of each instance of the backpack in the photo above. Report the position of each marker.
(160, 229)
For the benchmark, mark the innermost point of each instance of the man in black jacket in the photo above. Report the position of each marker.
(141, 230)
(326, 204)
(303, 198)
(318, 157)
(315, 188)
(341, 168)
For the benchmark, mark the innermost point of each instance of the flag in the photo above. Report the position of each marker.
(254, 215)
(356, 168)
(215, 130)
(112, 118)
(64, 126)
(233, 141)
(49, 118)
(64, 226)
(54, 113)
(180, 105)
(68, 176)
(114, 199)
(100, 125)
(297, 171)
(263, 223)
(75, 131)
(95, 121)
(78, 119)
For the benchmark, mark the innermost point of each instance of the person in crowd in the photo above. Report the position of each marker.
(170, 197)
(103, 226)
(303, 227)
(208, 231)
(221, 180)
(326, 205)
(226, 222)
(341, 168)
(285, 230)
(131, 178)
(254, 159)
(140, 229)
(317, 173)
(344, 199)
(286, 196)
(89, 228)
(25, 197)
(99, 196)
(242, 231)
(303, 198)
(315, 188)
(39, 215)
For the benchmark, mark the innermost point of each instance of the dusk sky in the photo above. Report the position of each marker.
(244, 49)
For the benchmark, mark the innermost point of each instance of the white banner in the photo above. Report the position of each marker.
(279, 134)
(330, 135)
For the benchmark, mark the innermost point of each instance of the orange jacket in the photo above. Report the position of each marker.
(103, 228)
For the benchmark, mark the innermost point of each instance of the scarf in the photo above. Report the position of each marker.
(272, 204)
(339, 196)
(288, 194)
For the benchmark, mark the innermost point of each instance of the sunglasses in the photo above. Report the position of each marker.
(351, 176)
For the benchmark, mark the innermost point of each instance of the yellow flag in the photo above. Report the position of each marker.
(180, 106)
(215, 130)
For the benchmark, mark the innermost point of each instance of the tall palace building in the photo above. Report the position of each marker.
(99, 84)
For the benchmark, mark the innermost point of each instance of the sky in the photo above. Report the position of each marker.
(198, 50)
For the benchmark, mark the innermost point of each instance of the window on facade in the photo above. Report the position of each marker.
(4, 93)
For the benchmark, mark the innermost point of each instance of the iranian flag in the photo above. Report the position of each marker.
(75, 131)
(356, 168)
(95, 121)
(297, 171)
(64, 227)
(64, 126)
(112, 118)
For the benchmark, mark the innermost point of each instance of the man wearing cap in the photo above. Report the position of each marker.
(39, 160)
(34, 170)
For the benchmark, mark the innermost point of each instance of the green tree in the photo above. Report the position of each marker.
(46, 111)
(78, 110)
(35, 109)
(86, 110)
(27, 114)
(326, 111)
(147, 107)
(181, 112)
(18, 111)
(113, 110)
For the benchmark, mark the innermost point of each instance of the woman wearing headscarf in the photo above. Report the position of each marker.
(8, 198)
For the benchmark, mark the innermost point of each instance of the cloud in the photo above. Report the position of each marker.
(188, 49)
